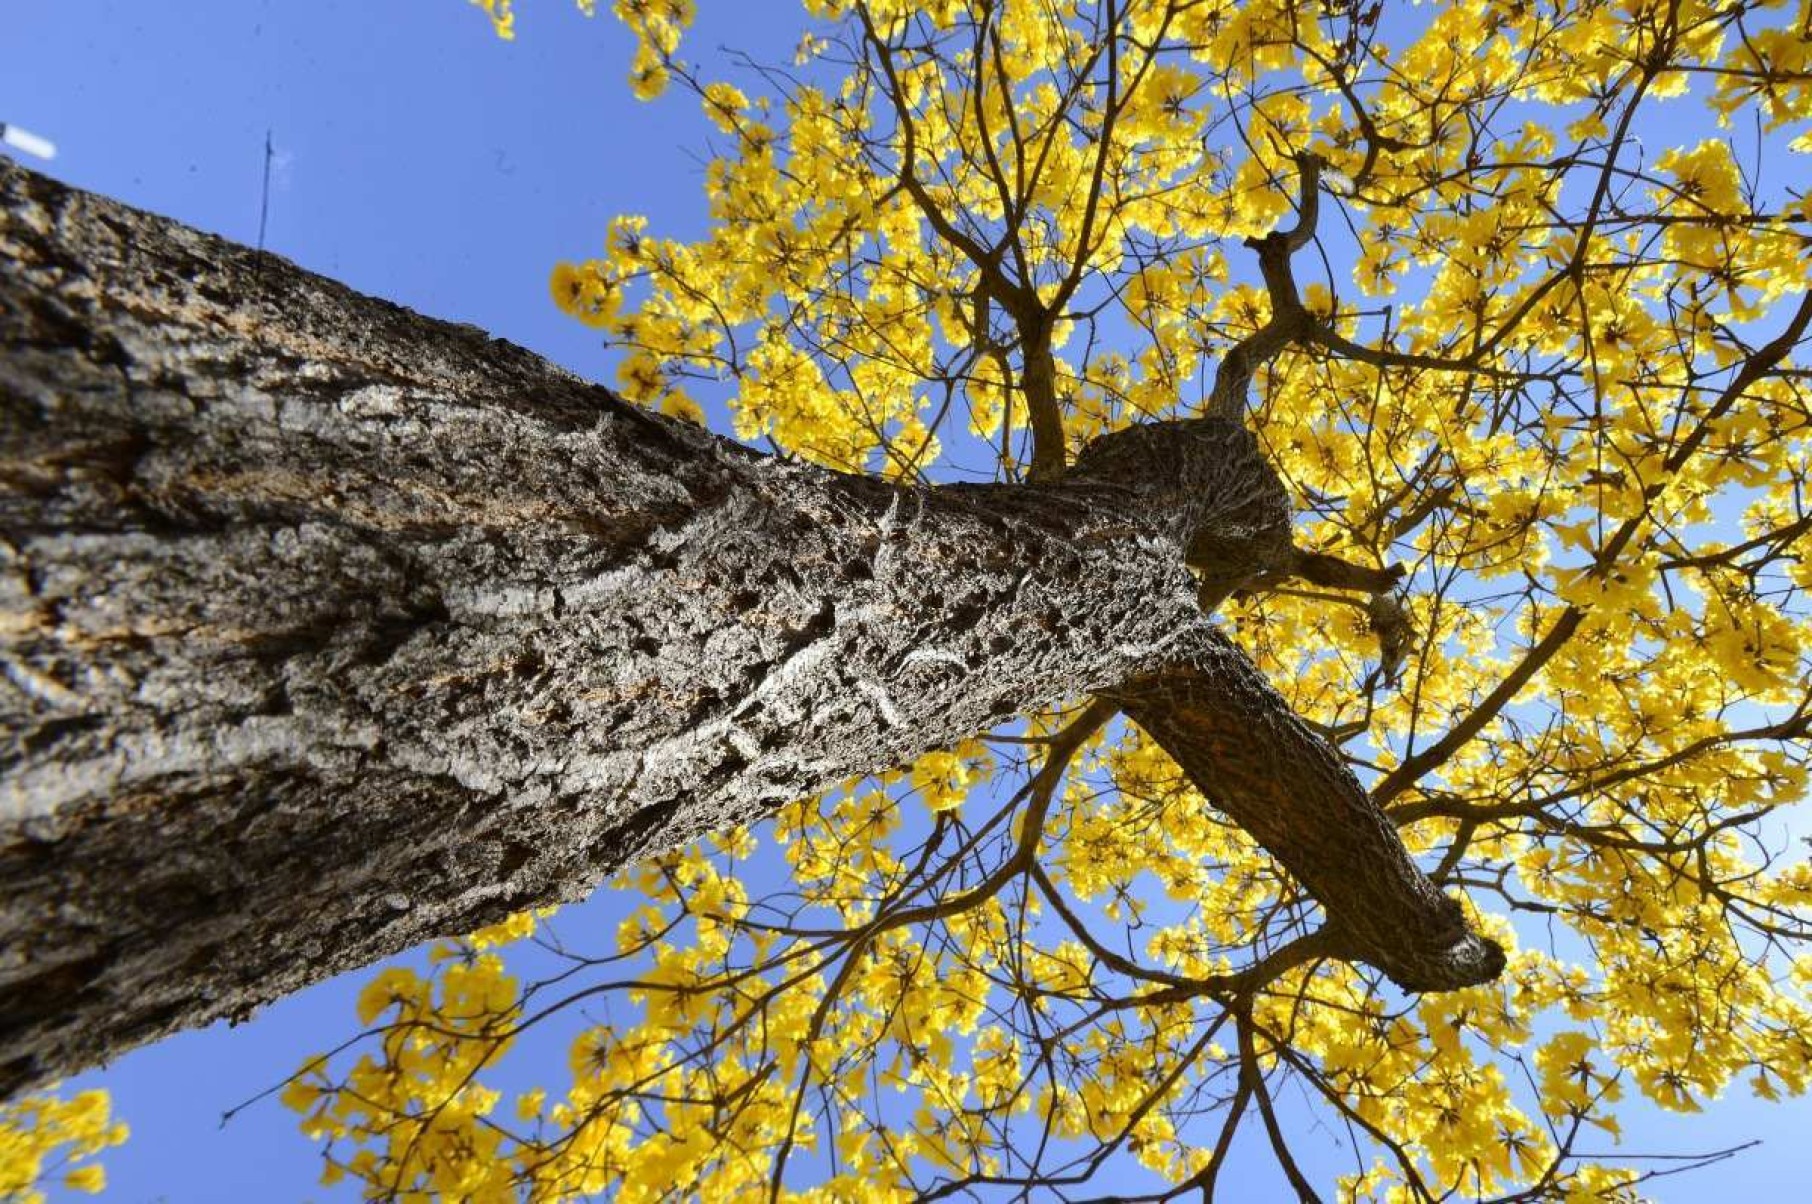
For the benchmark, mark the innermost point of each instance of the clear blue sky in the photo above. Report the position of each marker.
(421, 160)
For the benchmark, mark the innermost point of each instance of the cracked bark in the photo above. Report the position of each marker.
(326, 628)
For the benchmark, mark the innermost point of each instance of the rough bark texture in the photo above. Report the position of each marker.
(1266, 769)
(326, 628)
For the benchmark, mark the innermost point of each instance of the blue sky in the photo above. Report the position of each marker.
(419, 159)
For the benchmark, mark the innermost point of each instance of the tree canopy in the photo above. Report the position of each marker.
(1510, 296)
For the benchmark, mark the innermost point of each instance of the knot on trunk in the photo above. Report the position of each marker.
(1202, 482)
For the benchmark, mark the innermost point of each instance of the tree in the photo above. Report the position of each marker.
(1579, 697)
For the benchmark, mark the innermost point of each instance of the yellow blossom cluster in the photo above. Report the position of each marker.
(46, 1139)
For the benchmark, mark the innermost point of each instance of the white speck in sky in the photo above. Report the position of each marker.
(25, 140)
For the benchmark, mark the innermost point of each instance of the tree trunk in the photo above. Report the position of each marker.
(326, 628)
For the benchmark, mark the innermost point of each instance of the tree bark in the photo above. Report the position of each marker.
(326, 628)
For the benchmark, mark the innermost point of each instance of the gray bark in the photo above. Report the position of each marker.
(326, 628)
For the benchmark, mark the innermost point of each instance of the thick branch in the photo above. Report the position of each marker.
(1038, 386)
(1320, 568)
(1250, 756)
